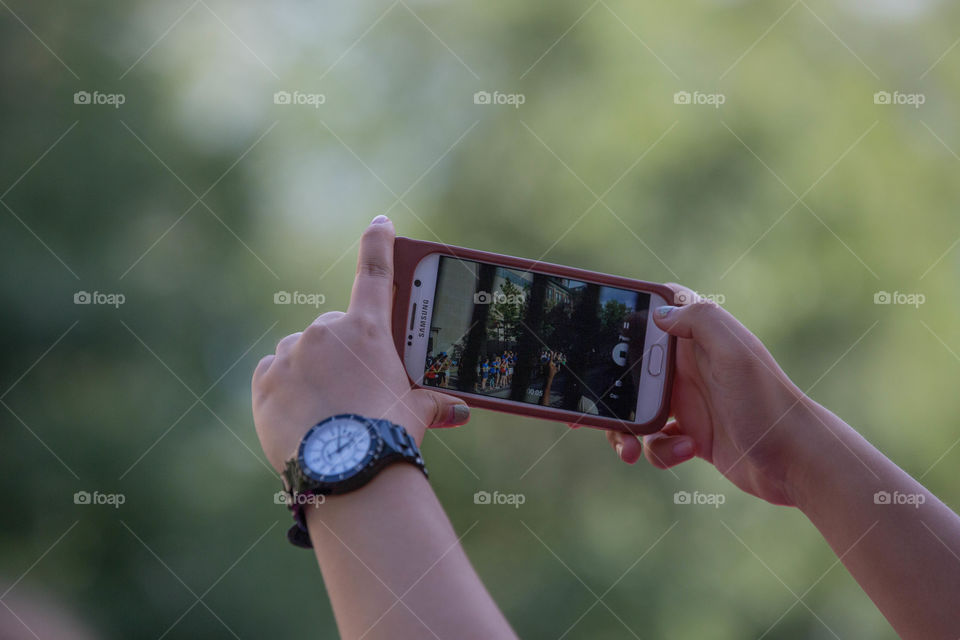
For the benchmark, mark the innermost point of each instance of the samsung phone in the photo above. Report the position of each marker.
(532, 338)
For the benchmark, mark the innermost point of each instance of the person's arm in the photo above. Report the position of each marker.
(391, 561)
(898, 540)
(394, 567)
(737, 409)
(551, 374)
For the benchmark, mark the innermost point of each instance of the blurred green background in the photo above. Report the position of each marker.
(797, 200)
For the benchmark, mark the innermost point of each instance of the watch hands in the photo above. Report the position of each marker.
(350, 442)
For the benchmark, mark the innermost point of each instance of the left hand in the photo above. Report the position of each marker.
(733, 406)
(346, 363)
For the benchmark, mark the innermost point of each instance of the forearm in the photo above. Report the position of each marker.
(545, 398)
(394, 567)
(905, 552)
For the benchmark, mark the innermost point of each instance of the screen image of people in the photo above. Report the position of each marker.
(535, 338)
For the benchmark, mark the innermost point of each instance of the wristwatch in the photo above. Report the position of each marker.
(341, 454)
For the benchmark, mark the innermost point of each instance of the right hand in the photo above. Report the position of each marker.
(732, 404)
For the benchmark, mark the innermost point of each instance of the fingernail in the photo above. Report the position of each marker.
(619, 449)
(459, 414)
(381, 219)
(683, 449)
(664, 311)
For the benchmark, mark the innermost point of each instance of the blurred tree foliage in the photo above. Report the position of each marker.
(199, 199)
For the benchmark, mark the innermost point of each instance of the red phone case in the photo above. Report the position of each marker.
(407, 254)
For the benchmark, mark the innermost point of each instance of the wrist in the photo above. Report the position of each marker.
(394, 485)
(341, 455)
(816, 442)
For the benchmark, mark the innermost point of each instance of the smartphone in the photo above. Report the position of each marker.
(531, 338)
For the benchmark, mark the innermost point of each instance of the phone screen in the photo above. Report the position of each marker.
(536, 338)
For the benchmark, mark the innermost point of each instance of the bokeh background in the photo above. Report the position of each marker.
(795, 201)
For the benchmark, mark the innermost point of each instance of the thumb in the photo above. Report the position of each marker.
(443, 410)
(706, 323)
(668, 448)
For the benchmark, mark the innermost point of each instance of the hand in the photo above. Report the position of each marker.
(733, 405)
(552, 369)
(346, 363)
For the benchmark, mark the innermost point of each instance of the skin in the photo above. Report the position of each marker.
(390, 558)
(552, 370)
(735, 408)
(392, 562)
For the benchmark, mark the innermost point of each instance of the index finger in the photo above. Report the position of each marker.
(372, 293)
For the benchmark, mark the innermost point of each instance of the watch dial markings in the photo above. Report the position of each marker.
(337, 447)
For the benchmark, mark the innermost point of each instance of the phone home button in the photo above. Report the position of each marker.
(655, 364)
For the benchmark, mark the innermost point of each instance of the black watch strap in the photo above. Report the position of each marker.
(404, 446)
(398, 446)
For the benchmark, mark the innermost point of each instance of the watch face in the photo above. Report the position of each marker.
(337, 448)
